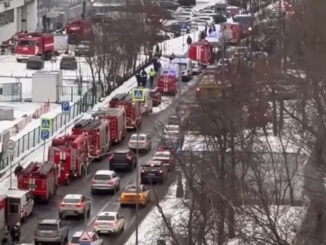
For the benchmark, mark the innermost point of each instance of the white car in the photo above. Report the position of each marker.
(171, 129)
(83, 237)
(75, 204)
(144, 142)
(105, 180)
(109, 222)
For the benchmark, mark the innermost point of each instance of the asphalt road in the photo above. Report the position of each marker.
(151, 125)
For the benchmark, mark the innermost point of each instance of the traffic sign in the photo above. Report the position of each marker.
(45, 134)
(138, 94)
(65, 106)
(85, 238)
(11, 145)
(46, 123)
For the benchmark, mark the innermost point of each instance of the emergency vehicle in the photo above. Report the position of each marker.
(231, 32)
(133, 110)
(117, 119)
(40, 179)
(78, 30)
(167, 82)
(3, 220)
(98, 133)
(202, 52)
(34, 44)
(70, 154)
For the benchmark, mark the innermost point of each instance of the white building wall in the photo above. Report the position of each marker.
(8, 30)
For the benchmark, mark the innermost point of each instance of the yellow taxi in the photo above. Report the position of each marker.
(129, 195)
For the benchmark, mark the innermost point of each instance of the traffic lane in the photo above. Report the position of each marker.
(82, 186)
(130, 212)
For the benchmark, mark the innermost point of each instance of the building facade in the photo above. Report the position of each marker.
(17, 16)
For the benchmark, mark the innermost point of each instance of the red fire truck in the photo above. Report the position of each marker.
(3, 219)
(40, 179)
(231, 32)
(98, 133)
(117, 120)
(132, 109)
(31, 44)
(202, 52)
(78, 30)
(167, 82)
(70, 154)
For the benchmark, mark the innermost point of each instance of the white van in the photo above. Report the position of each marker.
(20, 205)
(147, 105)
(185, 68)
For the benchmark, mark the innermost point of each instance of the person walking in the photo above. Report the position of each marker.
(138, 78)
(143, 78)
(189, 40)
(152, 75)
(15, 233)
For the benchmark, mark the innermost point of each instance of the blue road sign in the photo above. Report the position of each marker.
(65, 106)
(138, 95)
(45, 134)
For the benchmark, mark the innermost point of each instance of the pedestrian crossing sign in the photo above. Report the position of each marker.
(46, 123)
(138, 94)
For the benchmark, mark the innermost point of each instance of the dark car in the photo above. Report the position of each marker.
(35, 63)
(122, 160)
(84, 49)
(68, 63)
(153, 172)
(219, 19)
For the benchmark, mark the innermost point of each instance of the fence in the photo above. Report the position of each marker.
(11, 92)
(33, 139)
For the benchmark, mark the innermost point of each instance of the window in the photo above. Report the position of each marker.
(7, 17)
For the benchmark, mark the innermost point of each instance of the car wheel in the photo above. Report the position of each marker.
(67, 182)
(60, 216)
(131, 167)
(93, 192)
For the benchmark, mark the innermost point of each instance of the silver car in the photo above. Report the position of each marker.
(109, 222)
(76, 205)
(51, 230)
(105, 180)
(144, 142)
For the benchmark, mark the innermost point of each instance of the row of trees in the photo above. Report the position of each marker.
(243, 182)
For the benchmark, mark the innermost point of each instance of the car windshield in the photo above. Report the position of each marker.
(71, 200)
(75, 239)
(131, 189)
(47, 227)
(106, 217)
(140, 138)
(102, 177)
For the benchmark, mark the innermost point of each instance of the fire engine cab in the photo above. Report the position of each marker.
(70, 154)
(202, 52)
(40, 179)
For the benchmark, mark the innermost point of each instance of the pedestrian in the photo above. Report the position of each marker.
(143, 78)
(157, 50)
(138, 78)
(172, 57)
(214, 28)
(152, 75)
(18, 169)
(15, 233)
(189, 40)
(210, 30)
(202, 35)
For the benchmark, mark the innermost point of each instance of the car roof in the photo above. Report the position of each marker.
(48, 221)
(104, 172)
(121, 151)
(16, 193)
(107, 214)
(135, 135)
(166, 152)
(79, 233)
(73, 196)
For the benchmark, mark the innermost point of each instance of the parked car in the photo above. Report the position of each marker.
(122, 159)
(153, 172)
(196, 68)
(109, 222)
(84, 48)
(68, 63)
(51, 230)
(166, 157)
(76, 205)
(83, 237)
(129, 195)
(35, 63)
(105, 180)
(144, 142)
